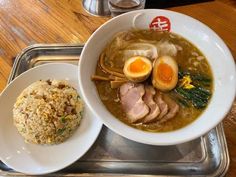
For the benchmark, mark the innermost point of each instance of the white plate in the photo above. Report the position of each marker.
(42, 159)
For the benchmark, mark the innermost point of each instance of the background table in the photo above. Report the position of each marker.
(27, 22)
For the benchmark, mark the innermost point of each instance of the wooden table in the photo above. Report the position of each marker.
(27, 22)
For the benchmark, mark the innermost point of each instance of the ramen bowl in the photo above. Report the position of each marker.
(206, 40)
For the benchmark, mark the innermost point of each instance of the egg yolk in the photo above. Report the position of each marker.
(165, 72)
(138, 66)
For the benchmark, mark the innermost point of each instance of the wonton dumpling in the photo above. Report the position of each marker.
(141, 49)
(166, 48)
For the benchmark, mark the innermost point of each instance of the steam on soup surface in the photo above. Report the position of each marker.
(153, 81)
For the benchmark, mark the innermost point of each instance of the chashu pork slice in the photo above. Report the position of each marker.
(162, 105)
(124, 88)
(153, 107)
(173, 109)
(131, 96)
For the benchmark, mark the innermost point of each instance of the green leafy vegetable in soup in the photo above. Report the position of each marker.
(153, 81)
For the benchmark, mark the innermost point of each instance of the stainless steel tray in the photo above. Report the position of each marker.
(114, 155)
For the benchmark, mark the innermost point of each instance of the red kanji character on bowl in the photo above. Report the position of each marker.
(160, 23)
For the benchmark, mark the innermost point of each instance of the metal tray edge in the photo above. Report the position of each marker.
(28, 48)
(225, 148)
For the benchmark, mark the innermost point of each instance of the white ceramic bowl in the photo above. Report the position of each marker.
(215, 50)
(42, 159)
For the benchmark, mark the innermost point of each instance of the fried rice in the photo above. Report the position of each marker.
(47, 112)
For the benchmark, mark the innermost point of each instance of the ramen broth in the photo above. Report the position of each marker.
(188, 58)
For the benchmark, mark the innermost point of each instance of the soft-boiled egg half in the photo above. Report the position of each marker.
(165, 73)
(137, 69)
